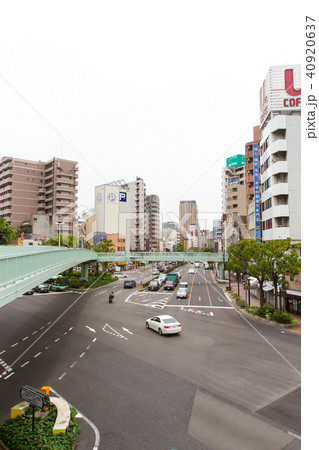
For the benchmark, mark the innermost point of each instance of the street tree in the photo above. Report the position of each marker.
(239, 258)
(283, 260)
(69, 241)
(7, 233)
(105, 246)
(179, 247)
(258, 265)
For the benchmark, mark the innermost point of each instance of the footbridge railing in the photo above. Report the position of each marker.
(22, 268)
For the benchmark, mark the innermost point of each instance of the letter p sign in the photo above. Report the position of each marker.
(122, 197)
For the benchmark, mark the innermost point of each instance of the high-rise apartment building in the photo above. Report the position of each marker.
(152, 223)
(37, 192)
(188, 215)
(234, 199)
(280, 153)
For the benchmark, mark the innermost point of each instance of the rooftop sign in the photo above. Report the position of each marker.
(235, 161)
(280, 91)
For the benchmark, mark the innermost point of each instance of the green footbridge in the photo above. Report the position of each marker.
(23, 268)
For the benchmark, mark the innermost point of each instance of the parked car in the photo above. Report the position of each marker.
(120, 275)
(155, 272)
(183, 284)
(42, 288)
(169, 285)
(154, 285)
(129, 284)
(30, 292)
(191, 270)
(181, 293)
(164, 324)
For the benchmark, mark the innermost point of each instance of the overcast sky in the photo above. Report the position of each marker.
(163, 90)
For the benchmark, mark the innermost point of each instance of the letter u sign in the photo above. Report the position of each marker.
(289, 83)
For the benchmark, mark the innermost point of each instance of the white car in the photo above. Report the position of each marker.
(191, 270)
(183, 284)
(164, 324)
(120, 275)
(181, 293)
(155, 272)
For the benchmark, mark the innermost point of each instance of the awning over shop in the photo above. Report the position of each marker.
(290, 292)
(267, 287)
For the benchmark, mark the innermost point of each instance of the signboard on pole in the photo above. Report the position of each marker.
(34, 396)
(256, 192)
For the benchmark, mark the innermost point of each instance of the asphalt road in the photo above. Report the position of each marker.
(224, 383)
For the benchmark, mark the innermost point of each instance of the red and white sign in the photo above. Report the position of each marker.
(281, 90)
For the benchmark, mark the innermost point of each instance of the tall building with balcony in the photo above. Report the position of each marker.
(234, 199)
(153, 223)
(280, 153)
(188, 216)
(35, 195)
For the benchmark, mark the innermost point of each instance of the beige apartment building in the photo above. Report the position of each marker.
(36, 195)
(234, 200)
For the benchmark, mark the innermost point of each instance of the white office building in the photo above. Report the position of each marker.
(280, 160)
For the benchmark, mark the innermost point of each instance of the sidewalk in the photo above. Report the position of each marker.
(254, 301)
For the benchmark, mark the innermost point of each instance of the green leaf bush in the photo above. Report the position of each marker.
(16, 434)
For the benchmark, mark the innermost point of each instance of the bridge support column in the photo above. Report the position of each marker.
(84, 272)
(221, 271)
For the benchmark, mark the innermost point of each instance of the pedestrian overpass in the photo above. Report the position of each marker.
(23, 268)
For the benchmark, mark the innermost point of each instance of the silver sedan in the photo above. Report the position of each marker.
(164, 324)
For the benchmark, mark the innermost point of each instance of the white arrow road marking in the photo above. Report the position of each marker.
(128, 331)
(220, 299)
(91, 329)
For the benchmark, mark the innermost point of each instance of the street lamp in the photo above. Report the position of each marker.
(59, 224)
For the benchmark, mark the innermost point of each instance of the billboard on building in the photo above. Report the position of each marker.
(281, 90)
(256, 191)
(235, 161)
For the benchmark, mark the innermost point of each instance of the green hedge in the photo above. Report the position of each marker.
(16, 434)
(271, 313)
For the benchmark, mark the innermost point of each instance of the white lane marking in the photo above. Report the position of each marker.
(24, 364)
(91, 329)
(57, 340)
(5, 378)
(269, 343)
(62, 376)
(27, 337)
(82, 354)
(35, 332)
(35, 356)
(72, 365)
(14, 345)
(128, 331)
(94, 427)
(3, 351)
(94, 339)
(88, 347)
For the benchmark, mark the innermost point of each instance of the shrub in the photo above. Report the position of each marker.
(240, 303)
(281, 317)
(17, 433)
(266, 311)
(234, 294)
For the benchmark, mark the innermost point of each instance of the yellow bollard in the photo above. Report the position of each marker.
(19, 409)
(46, 390)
